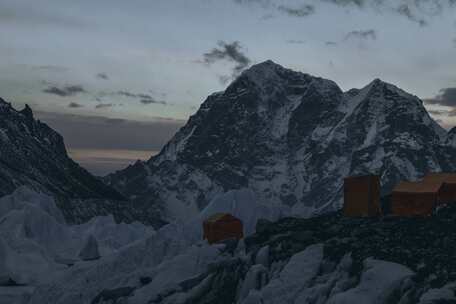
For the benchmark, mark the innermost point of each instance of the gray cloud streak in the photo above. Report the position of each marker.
(103, 76)
(361, 34)
(51, 68)
(66, 91)
(302, 11)
(405, 10)
(103, 105)
(75, 105)
(295, 41)
(446, 97)
(142, 97)
(231, 52)
(414, 10)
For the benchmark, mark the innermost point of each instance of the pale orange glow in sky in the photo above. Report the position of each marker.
(103, 161)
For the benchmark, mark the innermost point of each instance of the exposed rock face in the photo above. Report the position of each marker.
(34, 155)
(291, 138)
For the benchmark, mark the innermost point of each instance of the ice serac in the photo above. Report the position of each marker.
(34, 155)
(90, 250)
(291, 138)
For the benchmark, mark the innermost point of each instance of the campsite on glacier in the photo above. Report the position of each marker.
(227, 152)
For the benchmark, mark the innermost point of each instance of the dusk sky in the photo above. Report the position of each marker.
(118, 78)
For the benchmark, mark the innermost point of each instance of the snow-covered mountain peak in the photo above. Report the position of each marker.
(266, 77)
(291, 138)
(387, 91)
(271, 82)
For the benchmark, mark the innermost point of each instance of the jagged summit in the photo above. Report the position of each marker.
(269, 71)
(291, 138)
(34, 155)
(378, 84)
(27, 112)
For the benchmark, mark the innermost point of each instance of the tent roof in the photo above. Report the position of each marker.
(449, 178)
(417, 187)
(219, 216)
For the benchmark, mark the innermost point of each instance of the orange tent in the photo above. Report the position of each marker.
(447, 193)
(362, 196)
(222, 226)
(415, 198)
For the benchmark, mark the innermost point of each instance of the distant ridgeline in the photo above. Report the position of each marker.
(33, 154)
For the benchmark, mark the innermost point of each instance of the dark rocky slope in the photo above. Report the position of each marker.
(34, 155)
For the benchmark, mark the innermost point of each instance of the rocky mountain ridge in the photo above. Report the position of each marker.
(34, 155)
(291, 138)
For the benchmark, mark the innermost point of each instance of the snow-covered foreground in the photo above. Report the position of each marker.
(163, 260)
(36, 244)
(174, 265)
(74, 263)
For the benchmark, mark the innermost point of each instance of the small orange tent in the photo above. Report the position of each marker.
(415, 198)
(222, 226)
(447, 193)
(362, 196)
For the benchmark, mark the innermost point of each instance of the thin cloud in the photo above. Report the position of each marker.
(414, 10)
(147, 101)
(75, 105)
(358, 35)
(103, 76)
(263, 3)
(103, 105)
(295, 41)
(51, 68)
(331, 43)
(231, 52)
(358, 3)
(361, 34)
(142, 97)
(302, 11)
(438, 112)
(126, 94)
(65, 91)
(406, 11)
(446, 97)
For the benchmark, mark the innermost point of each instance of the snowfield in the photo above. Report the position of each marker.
(36, 244)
